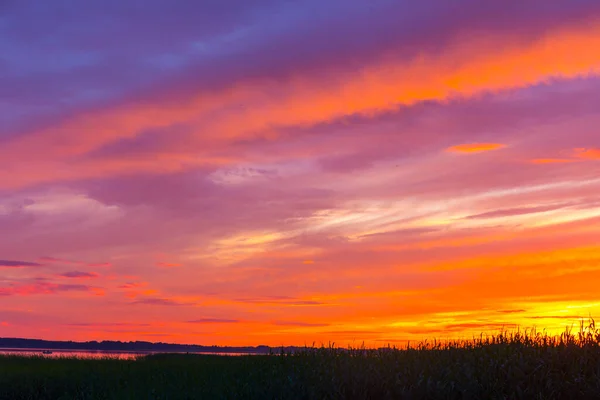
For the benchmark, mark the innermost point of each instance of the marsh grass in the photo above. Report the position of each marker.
(509, 365)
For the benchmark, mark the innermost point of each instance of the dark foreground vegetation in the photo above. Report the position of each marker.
(525, 365)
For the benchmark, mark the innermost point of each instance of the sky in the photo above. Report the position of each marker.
(237, 172)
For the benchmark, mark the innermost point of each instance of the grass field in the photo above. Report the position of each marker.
(514, 365)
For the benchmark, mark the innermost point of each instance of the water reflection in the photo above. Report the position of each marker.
(123, 355)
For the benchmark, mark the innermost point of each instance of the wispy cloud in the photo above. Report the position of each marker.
(513, 311)
(280, 300)
(132, 285)
(167, 265)
(509, 212)
(552, 160)
(47, 288)
(161, 301)
(53, 260)
(79, 274)
(475, 147)
(300, 324)
(99, 265)
(213, 321)
(107, 324)
(18, 264)
(569, 317)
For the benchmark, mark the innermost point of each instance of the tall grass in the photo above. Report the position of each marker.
(509, 365)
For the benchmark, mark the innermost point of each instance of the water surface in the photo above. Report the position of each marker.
(126, 355)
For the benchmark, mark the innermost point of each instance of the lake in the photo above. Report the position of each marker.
(125, 355)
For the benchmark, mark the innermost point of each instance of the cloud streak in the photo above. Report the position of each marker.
(47, 288)
(509, 212)
(79, 274)
(302, 103)
(475, 147)
(18, 264)
(213, 321)
(160, 301)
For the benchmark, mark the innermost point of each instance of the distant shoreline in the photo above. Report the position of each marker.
(24, 344)
(120, 354)
(35, 350)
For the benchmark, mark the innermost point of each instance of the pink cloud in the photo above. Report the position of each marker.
(53, 260)
(167, 265)
(552, 160)
(161, 301)
(79, 274)
(47, 288)
(281, 300)
(508, 212)
(100, 265)
(133, 285)
(299, 102)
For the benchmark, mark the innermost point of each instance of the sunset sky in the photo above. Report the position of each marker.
(238, 172)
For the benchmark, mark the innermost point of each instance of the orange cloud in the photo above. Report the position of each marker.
(552, 160)
(133, 285)
(475, 147)
(588, 154)
(467, 70)
(579, 154)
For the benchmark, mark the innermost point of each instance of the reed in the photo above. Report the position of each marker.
(509, 365)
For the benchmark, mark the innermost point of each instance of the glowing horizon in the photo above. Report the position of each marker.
(285, 174)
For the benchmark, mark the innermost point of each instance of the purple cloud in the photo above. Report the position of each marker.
(109, 324)
(79, 274)
(18, 264)
(29, 289)
(270, 39)
(214, 321)
(160, 301)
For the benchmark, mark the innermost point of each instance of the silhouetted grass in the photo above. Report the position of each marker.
(515, 365)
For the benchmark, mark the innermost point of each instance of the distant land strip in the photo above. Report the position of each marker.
(137, 346)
